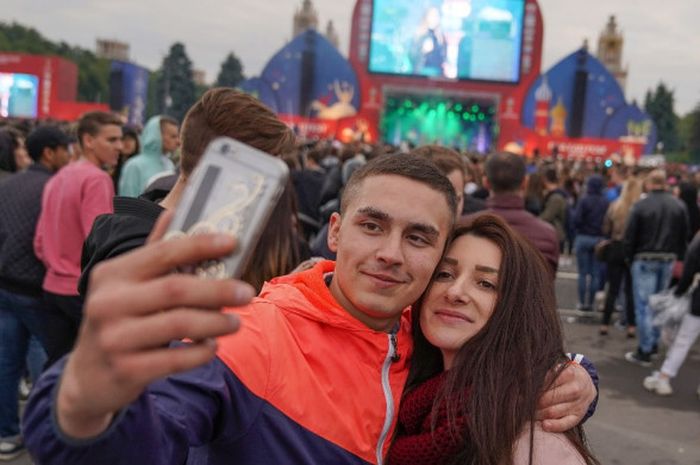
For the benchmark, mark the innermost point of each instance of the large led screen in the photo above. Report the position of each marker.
(450, 39)
(18, 95)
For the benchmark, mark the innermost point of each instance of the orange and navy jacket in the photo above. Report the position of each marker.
(302, 382)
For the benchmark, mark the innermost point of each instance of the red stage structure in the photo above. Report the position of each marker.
(506, 98)
(49, 87)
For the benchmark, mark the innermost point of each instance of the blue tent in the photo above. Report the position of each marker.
(308, 77)
(261, 90)
(606, 113)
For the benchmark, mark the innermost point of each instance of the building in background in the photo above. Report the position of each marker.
(199, 76)
(112, 50)
(332, 34)
(610, 45)
(305, 18)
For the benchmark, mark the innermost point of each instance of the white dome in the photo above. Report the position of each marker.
(543, 92)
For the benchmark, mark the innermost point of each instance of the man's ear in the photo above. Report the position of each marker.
(334, 232)
(87, 141)
(47, 156)
(485, 183)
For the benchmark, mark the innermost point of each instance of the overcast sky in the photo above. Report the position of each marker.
(662, 38)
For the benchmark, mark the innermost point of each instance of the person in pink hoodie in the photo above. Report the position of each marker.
(71, 201)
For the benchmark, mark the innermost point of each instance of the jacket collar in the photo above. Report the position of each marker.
(37, 166)
(505, 201)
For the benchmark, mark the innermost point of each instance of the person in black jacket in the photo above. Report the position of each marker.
(280, 248)
(660, 381)
(21, 276)
(688, 193)
(588, 223)
(656, 235)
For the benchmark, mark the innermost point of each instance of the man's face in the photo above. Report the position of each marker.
(104, 147)
(170, 138)
(57, 158)
(388, 242)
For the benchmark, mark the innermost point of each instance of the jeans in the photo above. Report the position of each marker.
(648, 277)
(20, 318)
(587, 266)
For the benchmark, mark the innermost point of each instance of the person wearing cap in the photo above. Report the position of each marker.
(21, 275)
(70, 203)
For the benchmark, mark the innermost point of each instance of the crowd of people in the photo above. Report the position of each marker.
(399, 307)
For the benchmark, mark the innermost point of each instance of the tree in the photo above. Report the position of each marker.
(231, 73)
(152, 103)
(175, 89)
(659, 106)
(692, 133)
(93, 72)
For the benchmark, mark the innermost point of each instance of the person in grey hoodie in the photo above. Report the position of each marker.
(588, 224)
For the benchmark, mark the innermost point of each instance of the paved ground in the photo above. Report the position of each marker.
(631, 426)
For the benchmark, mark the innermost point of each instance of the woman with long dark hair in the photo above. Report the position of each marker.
(13, 154)
(130, 147)
(486, 336)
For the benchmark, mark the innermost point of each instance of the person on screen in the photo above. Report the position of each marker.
(464, 52)
(429, 51)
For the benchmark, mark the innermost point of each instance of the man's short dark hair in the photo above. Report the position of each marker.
(408, 166)
(223, 111)
(550, 175)
(446, 159)
(505, 172)
(45, 137)
(168, 120)
(92, 122)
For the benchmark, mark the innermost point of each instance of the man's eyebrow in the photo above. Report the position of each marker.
(374, 213)
(377, 214)
(425, 229)
(486, 269)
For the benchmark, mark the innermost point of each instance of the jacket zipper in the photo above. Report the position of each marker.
(392, 356)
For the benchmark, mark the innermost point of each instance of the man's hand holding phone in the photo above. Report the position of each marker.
(135, 307)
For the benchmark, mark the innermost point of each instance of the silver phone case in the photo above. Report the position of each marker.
(233, 190)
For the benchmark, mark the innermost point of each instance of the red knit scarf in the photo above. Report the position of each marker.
(418, 443)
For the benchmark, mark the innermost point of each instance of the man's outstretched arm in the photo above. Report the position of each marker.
(135, 307)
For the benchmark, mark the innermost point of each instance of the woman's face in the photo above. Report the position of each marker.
(432, 18)
(22, 159)
(128, 146)
(462, 295)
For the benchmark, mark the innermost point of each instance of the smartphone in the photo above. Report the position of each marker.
(233, 190)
